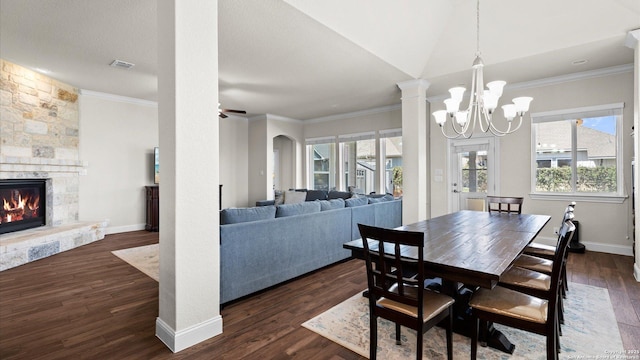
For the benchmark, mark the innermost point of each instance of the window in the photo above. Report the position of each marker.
(474, 171)
(358, 156)
(322, 161)
(578, 151)
(391, 154)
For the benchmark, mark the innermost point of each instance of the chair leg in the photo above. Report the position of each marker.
(450, 334)
(398, 335)
(474, 338)
(560, 311)
(419, 338)
(552, 353)
(373, 337)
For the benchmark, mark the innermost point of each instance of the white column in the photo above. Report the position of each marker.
(633, 41)
(189, 310)
(415, 145)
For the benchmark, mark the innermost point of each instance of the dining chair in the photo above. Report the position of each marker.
(542, 260)
(397, 296)
(522, 311)
(505, 204)
(536, 283)
(543, 250)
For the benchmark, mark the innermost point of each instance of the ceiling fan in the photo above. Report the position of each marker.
(221, 112)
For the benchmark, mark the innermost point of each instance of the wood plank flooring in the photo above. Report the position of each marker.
(88, 304)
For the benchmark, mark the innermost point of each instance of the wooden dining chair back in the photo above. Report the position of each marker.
(505, 204)
(396, 286)
(522, 311)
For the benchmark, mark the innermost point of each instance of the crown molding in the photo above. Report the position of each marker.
(354, 114)
(613, 70)
(118, 98)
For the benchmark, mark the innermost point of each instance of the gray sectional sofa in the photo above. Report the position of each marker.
(266, 245)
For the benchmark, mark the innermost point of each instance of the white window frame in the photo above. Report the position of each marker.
(615, 109)
(310, 160)
(342, 139)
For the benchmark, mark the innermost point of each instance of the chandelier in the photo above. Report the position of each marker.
(482, 103)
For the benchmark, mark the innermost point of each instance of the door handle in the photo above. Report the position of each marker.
(455, 191)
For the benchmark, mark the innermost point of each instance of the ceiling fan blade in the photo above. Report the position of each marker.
(234, 111)
(222, 115)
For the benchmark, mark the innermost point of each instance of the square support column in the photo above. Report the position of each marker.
(415, 147)
(189, 297)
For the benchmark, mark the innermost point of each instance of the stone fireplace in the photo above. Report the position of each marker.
(39, 138)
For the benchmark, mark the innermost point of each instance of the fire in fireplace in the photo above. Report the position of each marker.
(22, 204)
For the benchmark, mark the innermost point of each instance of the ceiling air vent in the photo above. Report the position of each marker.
(121, 64)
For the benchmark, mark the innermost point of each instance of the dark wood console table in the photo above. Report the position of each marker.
(153, 206)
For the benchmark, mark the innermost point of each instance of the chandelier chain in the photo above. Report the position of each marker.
(478, 27)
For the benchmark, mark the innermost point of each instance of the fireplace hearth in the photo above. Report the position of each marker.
(22, 204)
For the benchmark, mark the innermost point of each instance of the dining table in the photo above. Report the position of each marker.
(466, 250)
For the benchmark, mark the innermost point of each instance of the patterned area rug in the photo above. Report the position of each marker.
(590, 332)
(144, 258)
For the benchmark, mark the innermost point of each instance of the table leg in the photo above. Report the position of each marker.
(463, 322)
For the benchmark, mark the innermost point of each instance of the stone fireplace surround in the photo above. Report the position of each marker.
(39, 137)
(62, 231)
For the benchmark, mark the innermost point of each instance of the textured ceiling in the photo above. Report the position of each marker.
(305, 59)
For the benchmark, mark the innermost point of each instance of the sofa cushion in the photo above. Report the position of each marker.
(331, 204)
(297, 209)
(294, 197)
(387, 197)
(240, 215)
(313, 195)
(333, 194)
(358, 201)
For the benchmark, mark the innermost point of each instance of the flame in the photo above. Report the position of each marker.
(20, 208)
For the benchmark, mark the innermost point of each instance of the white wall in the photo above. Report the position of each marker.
(364, 121)
(234, 152)
(603, 226)
(117, 137)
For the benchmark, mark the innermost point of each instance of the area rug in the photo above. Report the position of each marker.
(590, 331)
(144, 258)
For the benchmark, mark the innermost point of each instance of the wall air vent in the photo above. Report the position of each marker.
(121, 64)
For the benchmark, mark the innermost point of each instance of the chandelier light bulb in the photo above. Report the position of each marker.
(452, 105)
(509, 111)
(440, 116)
(457, 93)
(490, 101)
(522, 104)
(496, 87)
(461, 117)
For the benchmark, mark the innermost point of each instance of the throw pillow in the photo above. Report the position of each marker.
(278, 197)
(331, 204)
(333, 194)
(294, 197)
(297, 209)
(240, 215)
(313, 195)
(359, 201)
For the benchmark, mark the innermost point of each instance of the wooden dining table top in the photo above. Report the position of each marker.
(471, 247)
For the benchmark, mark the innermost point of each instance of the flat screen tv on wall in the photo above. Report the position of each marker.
(156, 165)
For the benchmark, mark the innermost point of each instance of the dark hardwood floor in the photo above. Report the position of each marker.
(88, 304)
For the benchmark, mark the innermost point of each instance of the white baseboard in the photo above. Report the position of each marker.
(124, 228)
(178, 341)
(591, 246)
(636, 271)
